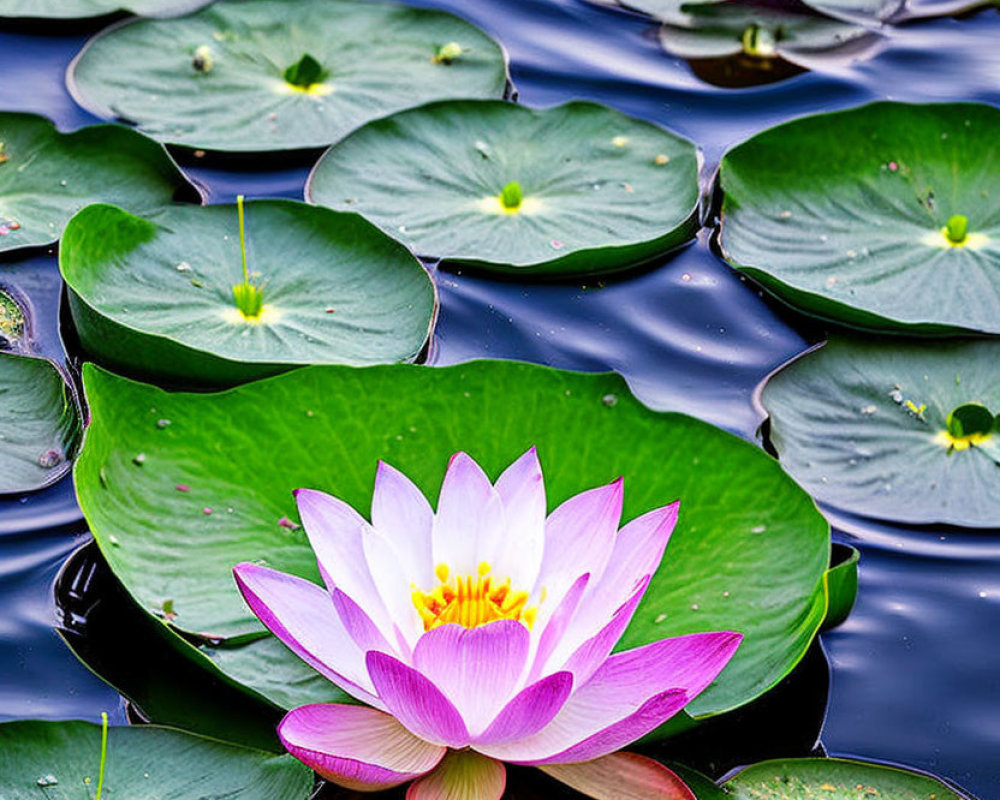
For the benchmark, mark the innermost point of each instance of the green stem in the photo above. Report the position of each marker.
(104, 753)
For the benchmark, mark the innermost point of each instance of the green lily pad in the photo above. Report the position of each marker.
(847, 215)
(214, 485)
(575, 189)
(228, 77)
(759, 32)
(39, 423)
(61, 761)
(841, 584)
(47, 176)
(875, 11)
(156, 296)
(834, 779)
(83, 9)
(864, 426)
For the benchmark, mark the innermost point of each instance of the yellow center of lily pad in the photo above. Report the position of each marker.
(312, 90)
(511, 200)
(267, 316)
(471, 600)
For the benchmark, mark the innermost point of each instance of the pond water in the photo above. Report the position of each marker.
(915, 670)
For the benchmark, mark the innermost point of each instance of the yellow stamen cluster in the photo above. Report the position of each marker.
(471, 600)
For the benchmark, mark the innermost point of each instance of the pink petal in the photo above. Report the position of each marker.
(587, 658)
(394, 586)
(621, 776)
(579, 537)
(469, 523)
(477, 669)
(463, 775)
(522, 491)
(530, 711)
(555, 627)
(359, 625)
(632, 693)
(335, 531)
(401, 514)
(356, 747)
(302, 615)
(416, 702)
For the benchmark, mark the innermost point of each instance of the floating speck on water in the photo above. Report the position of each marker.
(47, 780)
(897, 396)
(62, 183)
(310, 414)
(628, 188)
(139, 459)
(869, 410)
(851, 254)
(330, 309)
(483, 149)
(162, 423)
(183, 267)
(686, 277)
(402, 229)
(199, 153)
(758, 529)
(660, 618)
(893, 166)
(831, 281)
(206, 511)
(610, 400)
(785, 215)
(556, 244)
(113, 540)
(823, 237)
(983, 594)
(286, 523)
(229, 510)
(661, 159)
(620, 141)
(50, 458)
(725, 594)
(694, 606)
(182, 487)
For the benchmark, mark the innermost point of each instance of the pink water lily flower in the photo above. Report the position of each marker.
(480, 634)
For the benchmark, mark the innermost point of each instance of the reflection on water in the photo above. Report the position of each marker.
(916, 675)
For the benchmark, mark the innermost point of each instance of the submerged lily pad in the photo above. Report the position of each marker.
(834, 779)
(231, 77)
(741, 43)
(575, 189)
(47, 176)
(157, 296)
(83, 9)
(215, 479)
(61, 761)
(39, 423)
(885, 216)
(905, 431)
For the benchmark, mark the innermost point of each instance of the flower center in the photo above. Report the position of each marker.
(471, 600)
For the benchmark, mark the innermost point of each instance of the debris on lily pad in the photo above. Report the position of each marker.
(189, 296)
(578, 189)
(834, 779)
(229, 78)
(40, 423)
(885, 216)
(13, 323)
(47, 176)
(900, 430)
(750, 43)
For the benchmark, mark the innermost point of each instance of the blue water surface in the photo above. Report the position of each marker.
(916, 669)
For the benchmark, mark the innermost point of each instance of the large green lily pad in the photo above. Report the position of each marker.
(39, 423)
(61, 761)
(82, 9)
(834, 779)
(874, 11)
(759, 33)
(863, 425)
(155, 296)
(257, 75)
(843, 215)
(47, 176)
(597, 191)
(214, 485)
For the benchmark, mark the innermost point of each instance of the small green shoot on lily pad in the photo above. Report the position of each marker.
(957, 229)
(968, 425)
(104, 754)
(758, 41)
(447, 53)
(248, 295)
(305, 72)
(511, 196)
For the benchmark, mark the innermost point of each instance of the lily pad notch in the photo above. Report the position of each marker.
(578, 189)
(157, 297)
